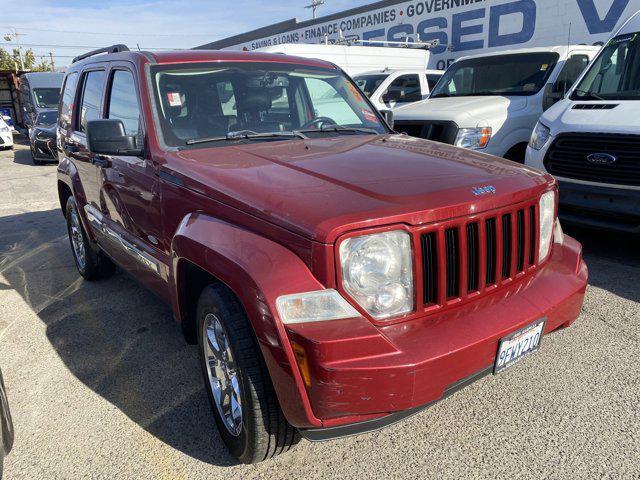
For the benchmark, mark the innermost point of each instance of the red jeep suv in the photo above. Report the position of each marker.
(337, 277)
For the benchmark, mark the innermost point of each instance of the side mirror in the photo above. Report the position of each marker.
(388, 116)
(550, 97)
(108, 137)
(392, 96)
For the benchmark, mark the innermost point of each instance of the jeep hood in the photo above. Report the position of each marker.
(466, 112)
(321, 188)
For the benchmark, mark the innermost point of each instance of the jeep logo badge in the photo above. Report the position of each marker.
(477, 191)
(601, 159)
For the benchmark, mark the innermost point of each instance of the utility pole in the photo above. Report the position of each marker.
(315, 4)
(53, 66)
(15, 35)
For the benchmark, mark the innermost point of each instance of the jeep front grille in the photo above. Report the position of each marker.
(466, 257)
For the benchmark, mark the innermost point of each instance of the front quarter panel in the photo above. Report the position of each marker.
(258, 271)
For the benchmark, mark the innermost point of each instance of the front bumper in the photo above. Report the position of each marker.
(600, 206)
(364, 378)
(44, 149)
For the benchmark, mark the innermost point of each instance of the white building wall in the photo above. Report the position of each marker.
(465, 27)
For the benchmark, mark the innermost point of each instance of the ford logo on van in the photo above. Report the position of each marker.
(602, 159)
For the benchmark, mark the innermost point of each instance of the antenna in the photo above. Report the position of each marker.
(315, 4)
(566, 72)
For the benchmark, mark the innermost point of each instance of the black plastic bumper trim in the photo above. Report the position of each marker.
(342, 431)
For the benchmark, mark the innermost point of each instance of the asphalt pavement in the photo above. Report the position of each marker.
(102, 385)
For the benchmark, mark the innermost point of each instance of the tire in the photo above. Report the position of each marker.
(93, 265)
(262, 432)
(517, 153)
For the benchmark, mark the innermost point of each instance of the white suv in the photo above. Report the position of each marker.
(6, 135)
(388, 89)
(492, 102)
(591, 140)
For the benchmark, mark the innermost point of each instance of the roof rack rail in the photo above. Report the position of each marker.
(112, 49)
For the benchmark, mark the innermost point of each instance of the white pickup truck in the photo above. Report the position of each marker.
(388, 89)
(492, 102)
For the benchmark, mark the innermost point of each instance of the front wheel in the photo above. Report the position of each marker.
(242, 398)
(92, 265)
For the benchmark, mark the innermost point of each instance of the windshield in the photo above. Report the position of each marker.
(197, 102)
(512, 74)
(615, 75)
(46, 97)
(370, 83)
(47, 118)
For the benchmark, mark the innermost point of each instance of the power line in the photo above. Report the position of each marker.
(46, 45)
(121, 34)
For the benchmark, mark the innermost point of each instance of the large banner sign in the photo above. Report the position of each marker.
(465, 27)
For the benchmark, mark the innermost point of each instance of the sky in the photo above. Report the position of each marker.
(73, 27)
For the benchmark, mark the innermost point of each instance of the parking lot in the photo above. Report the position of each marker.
(102, 385)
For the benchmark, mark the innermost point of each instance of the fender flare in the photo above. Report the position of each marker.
(257, 270)
(68, 174)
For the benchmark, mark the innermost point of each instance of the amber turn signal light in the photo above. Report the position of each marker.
(303, 362)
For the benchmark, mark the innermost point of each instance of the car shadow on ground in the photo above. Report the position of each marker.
(113, 335)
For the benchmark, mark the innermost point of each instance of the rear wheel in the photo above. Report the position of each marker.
(92, 265)
(242, 398)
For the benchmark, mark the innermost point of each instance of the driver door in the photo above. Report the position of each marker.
(129, 188)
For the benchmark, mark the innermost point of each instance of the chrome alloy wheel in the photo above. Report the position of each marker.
(77, 240)
(223, 374)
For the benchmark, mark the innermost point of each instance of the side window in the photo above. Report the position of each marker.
(66, 102)
(91, 98)
(327, 102)
(404, 89)
(123, 101)
(432, 80)
(570, 72)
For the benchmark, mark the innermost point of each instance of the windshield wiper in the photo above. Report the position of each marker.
(340, 128)
(589, 93)
(248, 135)
(441, 95)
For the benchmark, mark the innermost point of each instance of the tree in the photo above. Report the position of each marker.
(8, 61)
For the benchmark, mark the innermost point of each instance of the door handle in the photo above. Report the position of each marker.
(100, 161)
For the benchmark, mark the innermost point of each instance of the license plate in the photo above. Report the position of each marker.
(519, 345)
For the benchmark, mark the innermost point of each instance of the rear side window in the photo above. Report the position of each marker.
(91, 98)
(405, 88)
(123, 101)
(68, 96)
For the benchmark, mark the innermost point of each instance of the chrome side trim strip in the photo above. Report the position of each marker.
(96, 219)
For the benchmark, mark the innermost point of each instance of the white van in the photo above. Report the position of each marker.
(357, 59)
(492, 102)
(388, 89)
(591, 140)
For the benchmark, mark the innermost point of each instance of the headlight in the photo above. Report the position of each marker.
(377, 272)
(4, 129)
(473, 138)
(547, 209)
(540, 136)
